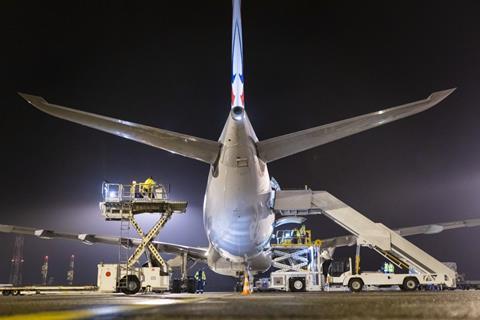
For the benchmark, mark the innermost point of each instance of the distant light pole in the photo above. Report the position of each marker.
(17, 262)
(71, 270)
(45, 271)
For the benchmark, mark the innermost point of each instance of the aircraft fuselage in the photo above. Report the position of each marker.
(237, 216)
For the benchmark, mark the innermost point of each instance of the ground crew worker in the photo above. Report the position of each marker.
(302, 233)
(385, 267)
(391, 268)
(133, 194)
(105, 189)
(295, 236)
(200, 279)
(148, 186)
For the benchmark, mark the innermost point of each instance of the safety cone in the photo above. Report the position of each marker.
(246, 286)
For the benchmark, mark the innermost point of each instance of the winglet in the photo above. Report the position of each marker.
(35, 101)
(440, 95)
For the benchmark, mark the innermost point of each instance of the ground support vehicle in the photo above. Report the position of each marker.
(146, 279)
(297, 260)
(122, 203)
(10, 290)
(469, 284)
(420, 267)
(356, 281)
(295, 281)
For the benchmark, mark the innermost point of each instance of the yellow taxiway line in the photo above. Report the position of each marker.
(142, 303)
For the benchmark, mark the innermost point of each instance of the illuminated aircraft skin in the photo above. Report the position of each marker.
(238, 219)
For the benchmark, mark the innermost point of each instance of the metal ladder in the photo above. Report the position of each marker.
(124, 250)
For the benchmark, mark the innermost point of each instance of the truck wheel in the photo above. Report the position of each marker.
(297, 284)
(130, 286)
(191, 285)
(176, 286)
(355, 285)
(410, 284)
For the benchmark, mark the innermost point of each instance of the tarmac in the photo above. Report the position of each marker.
(322, 305)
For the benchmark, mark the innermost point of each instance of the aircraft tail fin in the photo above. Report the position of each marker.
(283, 146)
(237, 57)
(185, 145)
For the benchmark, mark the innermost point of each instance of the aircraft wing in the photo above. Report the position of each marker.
(178, 143)
(286, 145)
(196, 253)
(351, 240)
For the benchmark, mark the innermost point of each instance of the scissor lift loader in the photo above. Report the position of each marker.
(297, 260)
(123, 202)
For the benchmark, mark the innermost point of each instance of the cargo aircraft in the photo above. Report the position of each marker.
(237, 212)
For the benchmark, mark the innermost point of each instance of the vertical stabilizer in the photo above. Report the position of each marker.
(237, 56)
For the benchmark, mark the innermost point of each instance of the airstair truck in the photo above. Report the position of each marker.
(424, 268)
(342, 273)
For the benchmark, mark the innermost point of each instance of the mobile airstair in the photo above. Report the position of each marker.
(377, 236)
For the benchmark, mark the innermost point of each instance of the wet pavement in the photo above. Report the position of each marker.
(324, 305)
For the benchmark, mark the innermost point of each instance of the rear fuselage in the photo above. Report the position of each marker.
(237, 216)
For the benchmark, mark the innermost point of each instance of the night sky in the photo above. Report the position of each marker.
(307, 63)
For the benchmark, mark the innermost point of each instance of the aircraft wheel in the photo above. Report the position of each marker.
(355, 285)
(410, 284)
(6, 293)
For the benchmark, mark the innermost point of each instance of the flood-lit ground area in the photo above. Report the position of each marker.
(332, 305)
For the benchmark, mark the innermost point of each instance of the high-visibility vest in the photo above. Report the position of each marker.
(132, 189)
(302, 230)
(203, 275)
(391, 268)
(148, 184)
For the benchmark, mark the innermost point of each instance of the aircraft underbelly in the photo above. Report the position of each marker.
(237, 217)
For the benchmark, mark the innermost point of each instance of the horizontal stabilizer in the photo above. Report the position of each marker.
(185, 145)
(286, 145)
